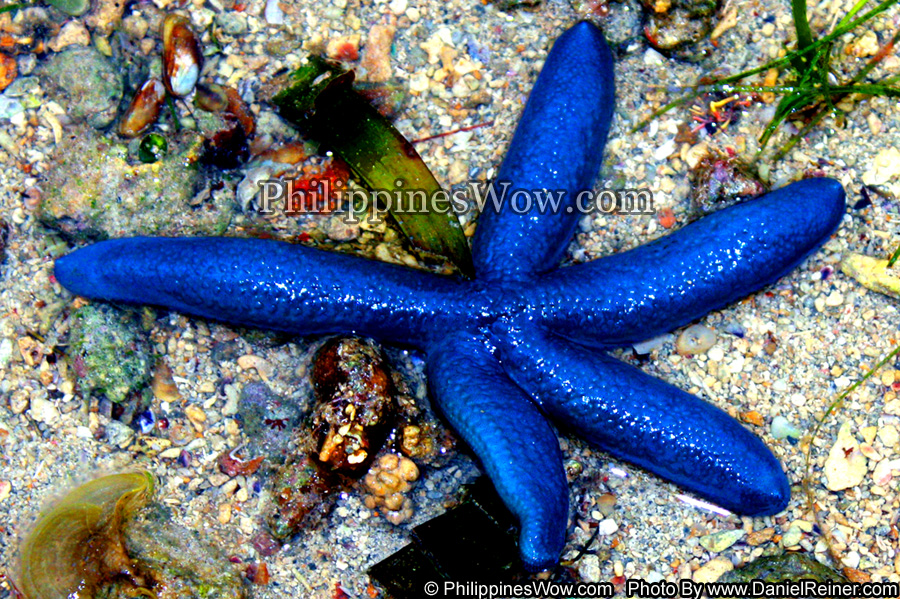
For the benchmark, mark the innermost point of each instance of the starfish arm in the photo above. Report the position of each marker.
(635, 295)
(266, 284)
(516, 446)
(558, 146)
(642, 420)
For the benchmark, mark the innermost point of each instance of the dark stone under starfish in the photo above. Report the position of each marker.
(521, 343)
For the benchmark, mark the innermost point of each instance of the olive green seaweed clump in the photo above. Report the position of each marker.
(788, 567)
(75, 543)
(106, 540)
(107, 352)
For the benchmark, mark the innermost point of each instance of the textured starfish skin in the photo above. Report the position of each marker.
(509, 349)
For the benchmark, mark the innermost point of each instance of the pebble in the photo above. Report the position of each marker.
(692, 155)
(589, 568)
(753, 417)
(696, 339)
(792, 537)
(884, 472)
(232, 23)
(758, 537)
(607, 527)
(834, 299)
(6, 351)
(665, 150)
(645, 347)
(875, 123)
(195, 414)
(225, 513)
(43, 410)
(218, 479)
(737, 365)
(338, 229)
(889, 435)
(73, 33)
(398, 7)
(376, 57)
(8, 70)
(885, 167)
(606, 504)
(851, 559)
(781, 428)
(712, 570)
(654, 576)
(5, 489)
(273, 13)
(19, 401)
(846, 466)
(118, 434)
(653, 58)
(865, 45)
(250, 362)
(87, 84)
(720, 541)
(229, 488)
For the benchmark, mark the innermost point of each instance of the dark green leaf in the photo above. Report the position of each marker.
(321, 101)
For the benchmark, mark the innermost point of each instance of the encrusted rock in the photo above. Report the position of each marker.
(86, 83)
(719, 181)
(107, 352)
(94, 191)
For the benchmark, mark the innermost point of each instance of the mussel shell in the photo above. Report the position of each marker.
(182, 58)
(144, 109)
(211, 98)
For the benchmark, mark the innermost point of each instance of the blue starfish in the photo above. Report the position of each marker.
(521, 343)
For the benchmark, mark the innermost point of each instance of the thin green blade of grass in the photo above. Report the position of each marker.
(789, 57)
(11, 7)
(786, 107)
(870, 89)
(806, 483)
(812, 85)
(804, 34)
(893, 259)
(860, 4)
(321, 101)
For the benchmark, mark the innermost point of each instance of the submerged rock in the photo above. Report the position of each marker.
(719, 181)
(362, 411)
(107, 352)
(269, 422)
(180, 563)
(94, 191)
(676, 25)
(102, 540)
(86, 83)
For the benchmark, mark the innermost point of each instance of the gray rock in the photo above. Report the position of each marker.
(118, 434)
(232, 23)
(86, 83)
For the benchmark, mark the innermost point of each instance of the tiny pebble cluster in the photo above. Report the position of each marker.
(388, 484)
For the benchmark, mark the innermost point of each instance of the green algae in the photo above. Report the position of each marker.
(107, 352)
